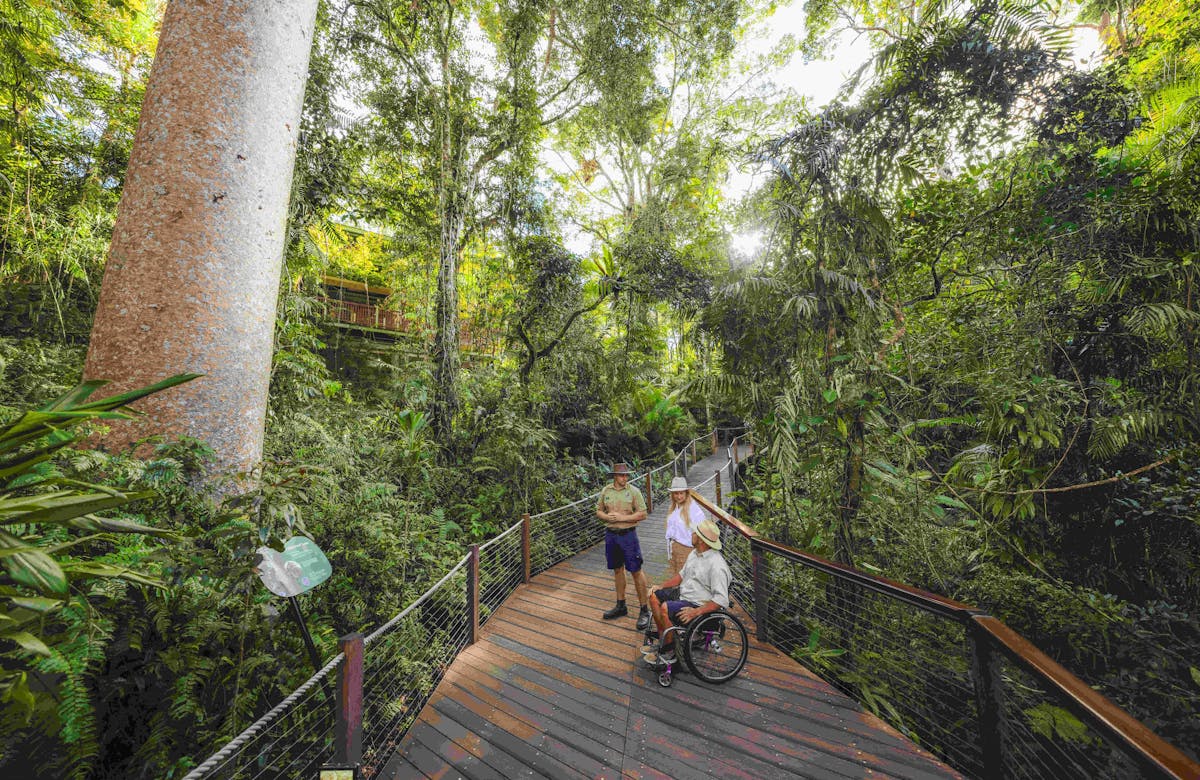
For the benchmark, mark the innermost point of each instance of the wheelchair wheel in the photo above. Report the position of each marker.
(715, 647)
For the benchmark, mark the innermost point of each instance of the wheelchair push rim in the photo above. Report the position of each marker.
(715, 647)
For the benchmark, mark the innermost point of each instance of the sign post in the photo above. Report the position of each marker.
(298, 569)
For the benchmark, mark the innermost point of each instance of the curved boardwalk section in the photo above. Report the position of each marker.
(552, 690)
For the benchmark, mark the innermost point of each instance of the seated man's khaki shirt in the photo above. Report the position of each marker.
(706, 578)
(626, 499)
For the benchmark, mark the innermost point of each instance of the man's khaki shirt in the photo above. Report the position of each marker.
(622, 501)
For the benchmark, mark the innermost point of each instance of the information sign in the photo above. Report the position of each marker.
(298, 569)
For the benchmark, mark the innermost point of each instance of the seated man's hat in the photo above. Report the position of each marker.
(709, 532)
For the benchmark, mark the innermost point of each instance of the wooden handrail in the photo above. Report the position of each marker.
(1139, 742)
(1150, 751)
(725, 517)
(931, 602)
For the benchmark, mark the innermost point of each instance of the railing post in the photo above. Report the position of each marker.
(718, 487)
(694, 458)
(347, 748)
(473, 595)
(526, 556)
(649, 492)
(714, 441)
(989, 697)
(735, 457)
(758, 563)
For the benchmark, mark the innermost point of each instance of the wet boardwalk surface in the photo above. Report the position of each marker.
(552, 690)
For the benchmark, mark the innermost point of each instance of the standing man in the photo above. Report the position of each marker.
(622, 507)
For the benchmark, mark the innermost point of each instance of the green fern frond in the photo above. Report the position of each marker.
(1160, 320)
(1110, 435)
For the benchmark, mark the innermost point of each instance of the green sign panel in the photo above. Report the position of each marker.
(298, 569)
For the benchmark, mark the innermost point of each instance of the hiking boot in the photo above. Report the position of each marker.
(617, 611)
(643, 618)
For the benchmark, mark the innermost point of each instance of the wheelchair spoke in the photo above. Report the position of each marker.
(716, 647)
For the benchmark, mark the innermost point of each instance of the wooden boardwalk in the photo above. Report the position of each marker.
(551, 690)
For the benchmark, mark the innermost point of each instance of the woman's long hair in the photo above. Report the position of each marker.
(685, 509)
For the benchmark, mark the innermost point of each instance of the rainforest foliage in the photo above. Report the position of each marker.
(967, 343)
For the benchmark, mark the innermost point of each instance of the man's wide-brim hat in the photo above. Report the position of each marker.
(709, 532)
(620, 468)
(678, 484)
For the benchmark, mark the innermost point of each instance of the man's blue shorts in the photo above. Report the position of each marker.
(622, 548)
(669, 598)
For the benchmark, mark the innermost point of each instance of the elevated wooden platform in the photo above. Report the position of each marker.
(554, 691)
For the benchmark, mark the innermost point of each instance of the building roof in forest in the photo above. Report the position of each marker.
(350, 284)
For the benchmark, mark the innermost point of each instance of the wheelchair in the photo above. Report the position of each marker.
(714, 647)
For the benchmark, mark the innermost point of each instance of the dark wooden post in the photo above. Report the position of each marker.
(694, 457)
(718, 487)
(649, 492)
(735, 457)
(714, 441)
(347, 748)
(989, 695)
(758, 562)
(525, 548)
(473, 594)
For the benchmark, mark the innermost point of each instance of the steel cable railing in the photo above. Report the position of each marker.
(294, 733)
(1044, 739)
(501, 569)
(957, 682)
(404, 659)
(560, 533)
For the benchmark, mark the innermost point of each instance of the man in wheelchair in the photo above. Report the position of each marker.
(701, 587)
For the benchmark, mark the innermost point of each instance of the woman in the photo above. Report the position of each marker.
(683, 518)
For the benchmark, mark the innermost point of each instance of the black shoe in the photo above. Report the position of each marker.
(617, 611)
(643, 619)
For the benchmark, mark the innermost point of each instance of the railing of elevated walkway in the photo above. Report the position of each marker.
(400, 663)
(956, 681)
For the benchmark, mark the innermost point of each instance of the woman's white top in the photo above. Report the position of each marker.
(680, 530)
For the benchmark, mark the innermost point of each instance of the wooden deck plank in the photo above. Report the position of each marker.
(554, 737)
(464, 762)
(425, 763)
(505, 764)
(479, 718)
(591, 738)
(552, 690)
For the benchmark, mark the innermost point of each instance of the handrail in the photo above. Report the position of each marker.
(921, 598)
(500, 535)
(418, 602)
(248, 733)
(1152, 750)
(238, 748)
(1134, 738)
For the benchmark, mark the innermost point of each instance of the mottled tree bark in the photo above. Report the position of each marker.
(193, 269)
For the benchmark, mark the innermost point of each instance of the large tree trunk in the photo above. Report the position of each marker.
(193, 270)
